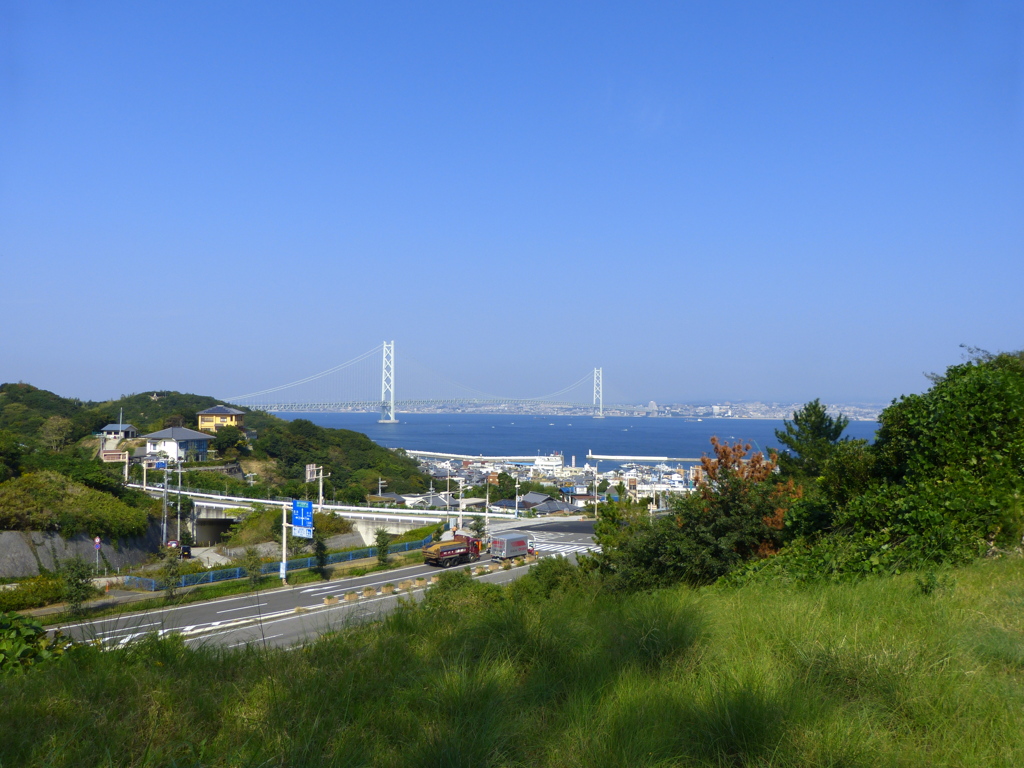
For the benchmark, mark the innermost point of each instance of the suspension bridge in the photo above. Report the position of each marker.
(353, 386)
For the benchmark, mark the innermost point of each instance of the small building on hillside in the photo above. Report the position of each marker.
(179, 444)
(119, 432)
(219, 416)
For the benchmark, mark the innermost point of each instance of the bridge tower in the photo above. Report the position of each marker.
(387, 386)
(598, 393)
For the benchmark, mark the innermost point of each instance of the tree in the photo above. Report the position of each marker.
(170, 571)
(320, 554)
(229, 440)
(55, 432)
(810, 437)
(352, 494)
(735, 515)
(506, 487)
(10, 455)
(478, 525)
(76, 583)
(382, 540)
(252, 563)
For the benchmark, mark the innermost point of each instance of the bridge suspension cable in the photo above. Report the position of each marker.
(308, 379)
(355, 389)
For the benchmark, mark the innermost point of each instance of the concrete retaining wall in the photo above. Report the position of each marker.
(23, 552)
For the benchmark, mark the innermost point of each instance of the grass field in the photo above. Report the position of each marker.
(908, 671)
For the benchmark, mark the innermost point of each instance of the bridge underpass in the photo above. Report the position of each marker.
(214, 514)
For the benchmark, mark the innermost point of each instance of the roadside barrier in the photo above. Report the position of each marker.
(227, 574)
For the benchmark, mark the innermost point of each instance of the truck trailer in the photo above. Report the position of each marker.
(512, 544)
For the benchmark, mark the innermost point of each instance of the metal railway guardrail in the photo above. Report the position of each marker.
(363, 513)
(228, 574)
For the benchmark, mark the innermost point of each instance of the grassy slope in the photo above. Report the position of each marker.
(870, 673)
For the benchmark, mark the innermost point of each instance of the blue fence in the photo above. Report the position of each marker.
(227, 574)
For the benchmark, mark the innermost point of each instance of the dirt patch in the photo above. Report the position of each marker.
(265, 469)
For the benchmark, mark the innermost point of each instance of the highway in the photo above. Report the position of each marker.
(288, 616)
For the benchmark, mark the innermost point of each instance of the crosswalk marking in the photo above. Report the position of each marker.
(544, 546)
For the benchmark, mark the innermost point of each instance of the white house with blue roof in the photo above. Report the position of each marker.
(179, 444)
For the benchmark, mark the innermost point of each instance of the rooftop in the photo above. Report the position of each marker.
(221, 410)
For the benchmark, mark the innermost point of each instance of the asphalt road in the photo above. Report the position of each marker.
(289, 616)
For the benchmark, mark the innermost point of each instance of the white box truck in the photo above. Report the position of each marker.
(510, 544)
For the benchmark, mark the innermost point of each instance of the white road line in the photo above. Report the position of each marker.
(128, 629)
(321, 587)
(241, 608)
(254, 640)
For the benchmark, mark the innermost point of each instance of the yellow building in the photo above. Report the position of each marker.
(219, 416)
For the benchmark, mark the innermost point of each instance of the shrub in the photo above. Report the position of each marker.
(24, 643)
(32, 593)
(76, 583)
(47, 501)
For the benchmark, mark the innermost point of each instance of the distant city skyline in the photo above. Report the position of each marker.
(712, 202)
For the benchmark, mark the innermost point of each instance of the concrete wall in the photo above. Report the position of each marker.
(23, 552)
(366, 528)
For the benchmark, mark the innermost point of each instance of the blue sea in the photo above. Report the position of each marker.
(572, 436)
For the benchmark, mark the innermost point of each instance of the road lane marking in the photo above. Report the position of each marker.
(128, 629)
(254, 640)
(241, 608)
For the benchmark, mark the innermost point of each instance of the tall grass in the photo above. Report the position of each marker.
(866, 674)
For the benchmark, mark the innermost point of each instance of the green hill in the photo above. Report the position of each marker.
(42, 434)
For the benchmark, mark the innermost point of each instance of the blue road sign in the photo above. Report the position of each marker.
(160, 465)
(302, 515)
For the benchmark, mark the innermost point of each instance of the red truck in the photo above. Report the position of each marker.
(461, 549)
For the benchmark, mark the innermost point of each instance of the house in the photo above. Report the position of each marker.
(385, 498)
(432, 501)
(552, 507)
(533, 498)
(179, 444)
(219, 416)
(119, 432)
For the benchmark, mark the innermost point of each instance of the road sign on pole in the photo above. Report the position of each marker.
(96, 542)
(302, 519)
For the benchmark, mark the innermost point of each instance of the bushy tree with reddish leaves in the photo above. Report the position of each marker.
(736, 514)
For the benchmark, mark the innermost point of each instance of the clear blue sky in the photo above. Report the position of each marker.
(711, 200)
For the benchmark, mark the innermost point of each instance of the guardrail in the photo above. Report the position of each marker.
(352, 511)
(228, 574)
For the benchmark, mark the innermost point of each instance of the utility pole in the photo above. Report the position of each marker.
(314, 472)
(595, 488)
(179, 501)
(163, 528)
(517, 498)
(460, 504)
(284, 544)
